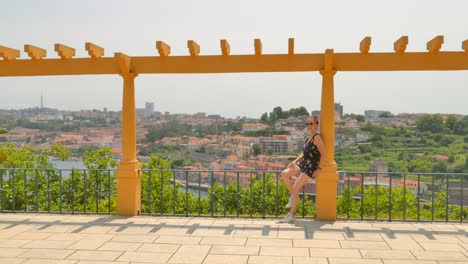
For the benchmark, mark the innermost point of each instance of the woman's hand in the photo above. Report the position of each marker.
(290, 165)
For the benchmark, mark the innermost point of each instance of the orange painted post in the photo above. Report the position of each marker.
(128, 172)
(328, 177)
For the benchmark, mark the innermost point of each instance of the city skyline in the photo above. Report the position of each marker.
(43, 24)
(145, 110)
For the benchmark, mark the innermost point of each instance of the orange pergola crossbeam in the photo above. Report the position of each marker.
(399, 60)
(411, 61)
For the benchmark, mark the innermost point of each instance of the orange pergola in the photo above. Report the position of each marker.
(328, 63)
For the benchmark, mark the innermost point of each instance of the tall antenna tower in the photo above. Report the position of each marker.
(42, 101)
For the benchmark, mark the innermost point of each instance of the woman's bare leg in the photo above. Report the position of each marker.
(287, 174)
(298, 184)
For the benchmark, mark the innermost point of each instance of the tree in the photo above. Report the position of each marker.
(278, 111)
(461, 166)
(273, 117)
(257, 149)
(420, 165)
(450, 122)
(177, 163)
(264, 118)
(386, 115)
(301, 111)
(364, 148)
(360, 118)
(431, 123)
(461, 127)
(29, 181)
(446, 140)
(59, 151)
(439, 166)
(100, 159)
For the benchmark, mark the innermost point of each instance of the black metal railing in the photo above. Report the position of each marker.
(57, 191)
(407, 196)
(236, 193)
(227, 193)
(164, 192)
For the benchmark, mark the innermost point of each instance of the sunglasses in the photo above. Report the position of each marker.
(310, 124)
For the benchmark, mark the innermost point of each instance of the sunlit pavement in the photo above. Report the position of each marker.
(39, 238)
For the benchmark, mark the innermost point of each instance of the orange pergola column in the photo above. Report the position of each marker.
(128, 172)
(328, 177)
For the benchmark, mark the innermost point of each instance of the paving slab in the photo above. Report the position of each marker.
(190, 254)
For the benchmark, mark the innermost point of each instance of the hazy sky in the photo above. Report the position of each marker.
(133, 27)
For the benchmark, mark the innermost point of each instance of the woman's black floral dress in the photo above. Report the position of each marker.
(311, 158)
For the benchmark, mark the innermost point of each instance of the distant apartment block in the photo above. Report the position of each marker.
(241, 150)
(379, 166)
(147, 111)
(275, 146)
(373, 113)
(149, 108)
(338, 111)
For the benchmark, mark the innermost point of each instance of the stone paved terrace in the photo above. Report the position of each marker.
(52, 239)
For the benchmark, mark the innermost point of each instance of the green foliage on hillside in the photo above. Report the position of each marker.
(408, 149)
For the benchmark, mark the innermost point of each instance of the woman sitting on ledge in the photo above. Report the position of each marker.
(307, 165)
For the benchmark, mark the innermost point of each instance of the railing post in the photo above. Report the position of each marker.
(128, 172)
(328, 176)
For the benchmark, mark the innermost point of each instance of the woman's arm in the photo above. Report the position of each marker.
(321, 148)
(295, 161)
(299, 157)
